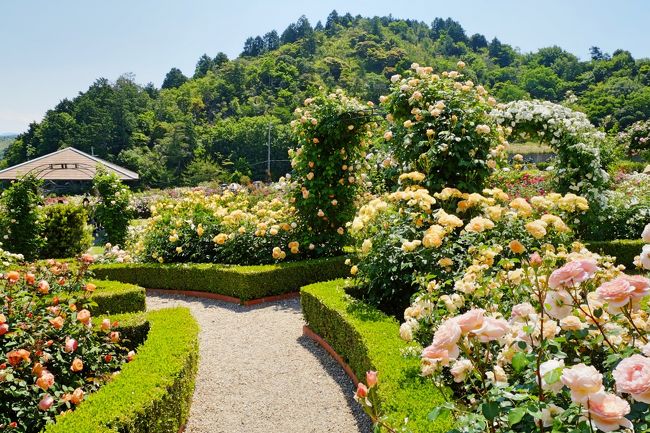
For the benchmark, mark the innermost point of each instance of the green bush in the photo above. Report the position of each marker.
(243, 282)
(152, 393)
(623, 249)
(65, 231)
(114, 297)
(112, 212)
(20, 219)
(369, 340)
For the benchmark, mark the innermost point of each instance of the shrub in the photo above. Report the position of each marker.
(243, 282)
(152, 394)
(411, 240)
(49, 355)
(112, 297)
(133, 327)
(521, 183)
(332, 131)
(65, 231)
(368, 340)
(112, 212)
(637, 139)
(441, 127)
(623, 249)
(21, 220)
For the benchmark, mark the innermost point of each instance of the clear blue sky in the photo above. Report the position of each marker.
(52, 49)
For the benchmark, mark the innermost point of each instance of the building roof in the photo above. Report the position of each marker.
(65, 164)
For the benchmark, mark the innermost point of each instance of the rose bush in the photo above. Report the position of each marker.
(555, 340)
(332, 132)
(50, 357)
(440, 126)
(411, 240)
(636, 138)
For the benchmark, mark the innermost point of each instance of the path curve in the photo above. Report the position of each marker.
(257, 373)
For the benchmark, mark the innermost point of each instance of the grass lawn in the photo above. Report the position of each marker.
(529, 147)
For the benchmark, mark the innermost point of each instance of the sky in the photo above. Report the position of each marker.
(51, 50)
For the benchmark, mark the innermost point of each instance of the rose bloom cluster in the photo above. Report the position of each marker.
(51, 357)
(643, 260)
(565, 329)
(450, 239)
(234, 228)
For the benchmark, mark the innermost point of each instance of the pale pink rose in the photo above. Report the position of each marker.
(70, 344)
(492, 329)
(558, 304)
(444, 346)
(522, 311)
(471, 320)
(617, 292)
(572, 273)
(640, 283)
(646, 349)
(46, 402)
(583, 381)
(607, 411)
(371, 378)
(571, 323)
(645, 235)
(535, 260)
(632, 376)
(438, 355)
(460, 369)
(547, 367)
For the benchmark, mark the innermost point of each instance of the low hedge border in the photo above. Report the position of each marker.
(152, 394)
(133, 327)
(367, 339)
(623, 249)
(242, 282)
(114, 297)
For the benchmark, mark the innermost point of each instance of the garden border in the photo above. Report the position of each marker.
(366, 339)
(247, 285)
(623, 249)
(152, 393)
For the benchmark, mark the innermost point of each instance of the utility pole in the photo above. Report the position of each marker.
(268, 154)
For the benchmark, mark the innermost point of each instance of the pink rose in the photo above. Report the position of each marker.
(70, 345)
(617, 292)
(492, 329)
(460, 369)
(444, 346)
(572, 273)
(471, 320)
(632, 376)
(558, 304)
(583, 381)
(548, 367)
(46, 402)
(640, 283)
(522, 311)
(362, 390)
(106, 324)
(645, 234)
(371, 378)
(608, 411)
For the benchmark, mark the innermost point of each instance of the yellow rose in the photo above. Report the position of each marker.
(536, 228)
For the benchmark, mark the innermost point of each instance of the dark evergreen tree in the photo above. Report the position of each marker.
(173, 79)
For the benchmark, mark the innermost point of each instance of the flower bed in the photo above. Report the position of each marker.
(369, 340)
(153, 392)
(242, 282)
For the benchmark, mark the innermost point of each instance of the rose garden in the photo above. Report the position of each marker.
(463, 287)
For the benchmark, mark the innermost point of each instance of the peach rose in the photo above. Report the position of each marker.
(90, 287)
(30, 278)
(460, 369)
(77, 365)
(43, 287)
(632, 376)
(522, 311)
(77, 396)
(106, 324)
(84, 316)
(57, 322)
(571, 323)
(583, 381)
(4, 328)
(371, 378)
(13, 277)
(607, 411)
(617, 293)
(471, 320)
(572, 273)
(15, 357)
(492, 329)
(45, 380)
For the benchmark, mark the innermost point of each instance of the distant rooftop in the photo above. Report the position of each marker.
(68, 164)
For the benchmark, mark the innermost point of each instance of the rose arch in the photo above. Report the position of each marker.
(576, 141)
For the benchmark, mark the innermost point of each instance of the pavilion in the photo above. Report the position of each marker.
(67, 169)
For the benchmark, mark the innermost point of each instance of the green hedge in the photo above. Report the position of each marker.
(133, 327)
(152, 393)
(243, 282)
(113, 297)
(623, 250)
(369, 340)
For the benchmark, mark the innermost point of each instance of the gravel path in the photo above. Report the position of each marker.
(257, 373)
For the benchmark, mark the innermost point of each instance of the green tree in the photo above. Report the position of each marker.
(173, 79)
(21, 219)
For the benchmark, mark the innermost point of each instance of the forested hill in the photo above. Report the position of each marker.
(194, 126)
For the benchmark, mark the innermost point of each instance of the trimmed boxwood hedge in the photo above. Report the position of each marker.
(243, 282)
(623, 249)
(369, 340)
(113, 297)
(152, 394)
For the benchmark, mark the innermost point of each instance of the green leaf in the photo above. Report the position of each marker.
(490, 410)
(519, 361)
(516, 415)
